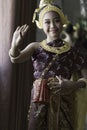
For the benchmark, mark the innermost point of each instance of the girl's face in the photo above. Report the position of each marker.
(52, 25)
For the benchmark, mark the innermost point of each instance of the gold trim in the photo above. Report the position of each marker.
(46, 9)
(57, 50)
(50, 7)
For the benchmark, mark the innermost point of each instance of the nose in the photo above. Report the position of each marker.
(52, 24)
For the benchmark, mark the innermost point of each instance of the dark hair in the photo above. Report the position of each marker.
(69, 29)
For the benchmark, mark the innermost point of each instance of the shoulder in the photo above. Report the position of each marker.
(34, 44)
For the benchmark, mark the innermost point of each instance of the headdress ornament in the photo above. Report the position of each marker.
(46, 6)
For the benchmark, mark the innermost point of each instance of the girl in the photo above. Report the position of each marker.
(54, 62)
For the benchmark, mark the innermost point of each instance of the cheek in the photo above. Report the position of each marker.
(46, 31)
(60, 26)
(45, 28)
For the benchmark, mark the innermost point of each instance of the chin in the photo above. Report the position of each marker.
(55, 33)
(54, 36)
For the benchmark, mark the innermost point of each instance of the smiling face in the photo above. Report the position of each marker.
(52, 25)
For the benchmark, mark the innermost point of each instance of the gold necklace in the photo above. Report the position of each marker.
(57, 50)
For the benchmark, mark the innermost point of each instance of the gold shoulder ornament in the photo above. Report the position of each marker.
(58, 50)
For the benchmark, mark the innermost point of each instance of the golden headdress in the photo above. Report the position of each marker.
(46, 6)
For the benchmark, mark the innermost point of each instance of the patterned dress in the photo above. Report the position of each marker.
(59, 113)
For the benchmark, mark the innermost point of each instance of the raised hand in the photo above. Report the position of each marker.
(19, 35)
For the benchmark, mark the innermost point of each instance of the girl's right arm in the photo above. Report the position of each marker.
(15, 54)
(24, 54)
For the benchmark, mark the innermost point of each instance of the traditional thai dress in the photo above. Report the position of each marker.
(59, 112)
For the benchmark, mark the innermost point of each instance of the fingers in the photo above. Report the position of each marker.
(52, 83)
(59, 79)
(55, 87)
(23, 28)
(21, 31)
(18, 28)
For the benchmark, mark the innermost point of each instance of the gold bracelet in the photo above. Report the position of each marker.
(17, 53)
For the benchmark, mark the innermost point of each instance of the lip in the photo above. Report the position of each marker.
(53, 30)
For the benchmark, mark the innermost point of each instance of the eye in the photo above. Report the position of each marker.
(47, 22)
(57, 20)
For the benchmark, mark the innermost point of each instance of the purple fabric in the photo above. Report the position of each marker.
(67, 62)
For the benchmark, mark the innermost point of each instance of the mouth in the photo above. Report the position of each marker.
(53, 30)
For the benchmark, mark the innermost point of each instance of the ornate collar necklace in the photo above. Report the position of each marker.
(58, 50)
